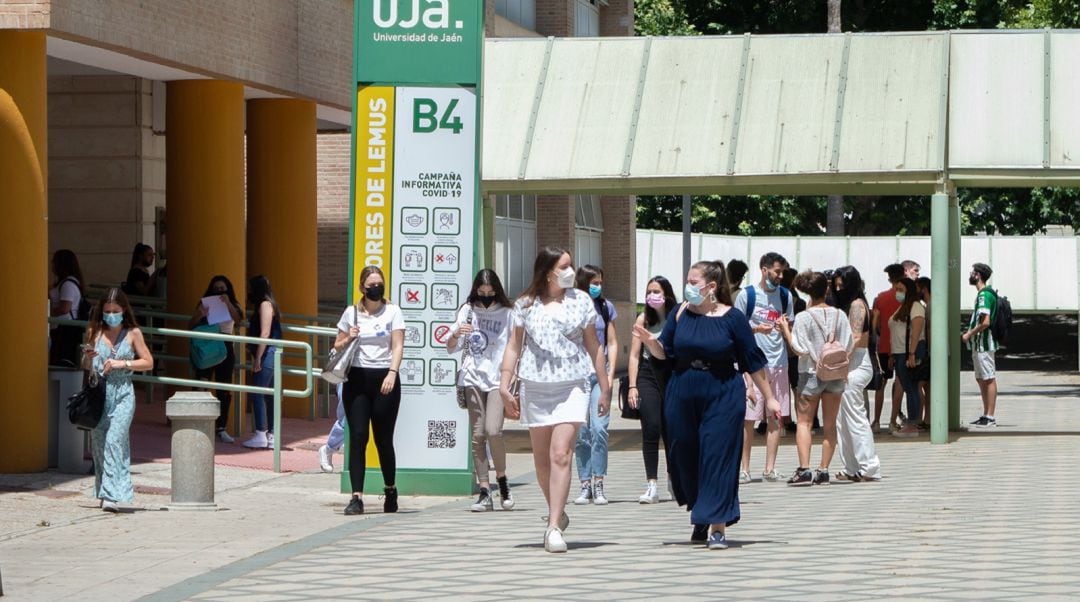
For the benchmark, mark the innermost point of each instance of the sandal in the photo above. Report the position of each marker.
(843, 476)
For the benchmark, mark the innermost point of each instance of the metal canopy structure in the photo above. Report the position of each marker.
(801, 114)
(873, 114)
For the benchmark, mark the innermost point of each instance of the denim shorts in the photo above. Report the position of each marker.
(810, 386)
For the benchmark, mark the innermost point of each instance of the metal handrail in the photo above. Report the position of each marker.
(277, 391)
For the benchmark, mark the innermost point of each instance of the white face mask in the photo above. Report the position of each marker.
(565, 278)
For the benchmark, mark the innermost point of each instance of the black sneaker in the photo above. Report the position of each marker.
(700, 534)
(389, 504)
(801, 477)
(821, 477)
(978, 421)
(984, 422)
(504, 494)
(356, 506)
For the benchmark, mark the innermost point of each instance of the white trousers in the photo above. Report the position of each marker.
(854, 439)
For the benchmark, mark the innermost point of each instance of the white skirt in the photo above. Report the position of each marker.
(548, 404)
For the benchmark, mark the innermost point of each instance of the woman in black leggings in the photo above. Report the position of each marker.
(648, 379)
(372, 393)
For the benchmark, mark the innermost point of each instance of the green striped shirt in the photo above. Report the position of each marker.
(985, 304)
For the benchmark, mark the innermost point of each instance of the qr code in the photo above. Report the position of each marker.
(442, 434)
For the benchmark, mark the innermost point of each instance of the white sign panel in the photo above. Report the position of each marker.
(434, 191)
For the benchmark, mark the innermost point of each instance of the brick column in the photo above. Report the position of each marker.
(617, 18)
(555, 222)
(555, 18)
(618, 247)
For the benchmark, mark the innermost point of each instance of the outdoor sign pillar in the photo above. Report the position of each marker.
(415, 210)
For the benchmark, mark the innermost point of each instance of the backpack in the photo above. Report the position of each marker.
(832, 359)
(82, 312)
(751, 299)
(605, 313)
(205, 353)
(1001, 321)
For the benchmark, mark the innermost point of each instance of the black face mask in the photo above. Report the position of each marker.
(486, 300)
(973, 279)
(375, 292)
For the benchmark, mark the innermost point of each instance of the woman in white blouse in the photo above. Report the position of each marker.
(554, 337)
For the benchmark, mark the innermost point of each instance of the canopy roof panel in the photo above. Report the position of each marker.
(797, 114)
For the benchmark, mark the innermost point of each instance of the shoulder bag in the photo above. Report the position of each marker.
(86, 407)
(336, 369)
(465, 349)
(206, 353)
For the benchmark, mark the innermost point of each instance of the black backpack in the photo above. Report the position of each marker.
(1001, 321)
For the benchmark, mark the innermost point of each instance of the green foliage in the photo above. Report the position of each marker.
(661, 18)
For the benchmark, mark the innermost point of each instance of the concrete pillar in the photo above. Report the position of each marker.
(24, 413)
(192, 414)
(282, 239)
(956, 282)
(204, 185)
(940, 375)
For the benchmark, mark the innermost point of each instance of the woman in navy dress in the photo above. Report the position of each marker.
(708, 343)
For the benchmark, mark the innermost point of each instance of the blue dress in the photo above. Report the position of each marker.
(111, 439)
(704, 410)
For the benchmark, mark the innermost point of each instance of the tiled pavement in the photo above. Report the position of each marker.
(990, 516)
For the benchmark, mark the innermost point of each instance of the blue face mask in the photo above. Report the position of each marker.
(770, 286)
(594, 291)
(692, 294)
(900, 297)
(113, 319)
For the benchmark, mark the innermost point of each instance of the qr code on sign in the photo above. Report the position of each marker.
(442, 434)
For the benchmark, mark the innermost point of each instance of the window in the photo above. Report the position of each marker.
(515, 240)
(522, 12)
(587, 18)
(588, 231)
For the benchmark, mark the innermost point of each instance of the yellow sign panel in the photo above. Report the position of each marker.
(374, 184)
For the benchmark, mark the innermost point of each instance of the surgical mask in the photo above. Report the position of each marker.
(375, 292)
(113, 319)
(692, 294)
(486, 300)
(770, 286)
(900, 297)
(565, 278)
(655, 300)
(595, 290)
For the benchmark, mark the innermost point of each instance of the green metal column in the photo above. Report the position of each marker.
(940, 373)
(955, 284)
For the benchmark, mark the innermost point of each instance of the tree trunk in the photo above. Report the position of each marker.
(834, 225)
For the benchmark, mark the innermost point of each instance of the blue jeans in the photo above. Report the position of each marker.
(911, 388)
(592, 442)
(336, 439)
(262, 405)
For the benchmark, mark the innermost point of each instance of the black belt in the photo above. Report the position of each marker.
(715, 368)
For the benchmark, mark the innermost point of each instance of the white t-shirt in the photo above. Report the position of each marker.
(898, 330)
(67, 291)
(482, 351)
(767, 309)
(374, 351)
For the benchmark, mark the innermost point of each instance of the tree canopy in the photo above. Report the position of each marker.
(994, 211)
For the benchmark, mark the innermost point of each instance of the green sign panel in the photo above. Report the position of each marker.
(419, 41)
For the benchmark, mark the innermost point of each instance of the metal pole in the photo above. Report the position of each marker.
(277, 409)
(686, 219)
(939, 335)
(955, 282)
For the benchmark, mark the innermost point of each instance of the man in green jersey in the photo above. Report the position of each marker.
(980, 339)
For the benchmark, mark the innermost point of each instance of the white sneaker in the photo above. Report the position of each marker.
(326, 459)
(225, 437)
(269, 440)
(259, 441)
(108, 506)
(650, 496)
(586, 494)
(670, 492)
(744, 477)
(598, 493)
(553, 541)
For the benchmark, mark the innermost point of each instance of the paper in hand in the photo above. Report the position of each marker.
(216, 310)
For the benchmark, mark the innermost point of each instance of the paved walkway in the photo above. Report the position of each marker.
(990, 516)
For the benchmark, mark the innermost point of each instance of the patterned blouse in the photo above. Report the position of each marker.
(554, 349)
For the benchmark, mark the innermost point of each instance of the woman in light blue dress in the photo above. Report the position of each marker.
(115, 348)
